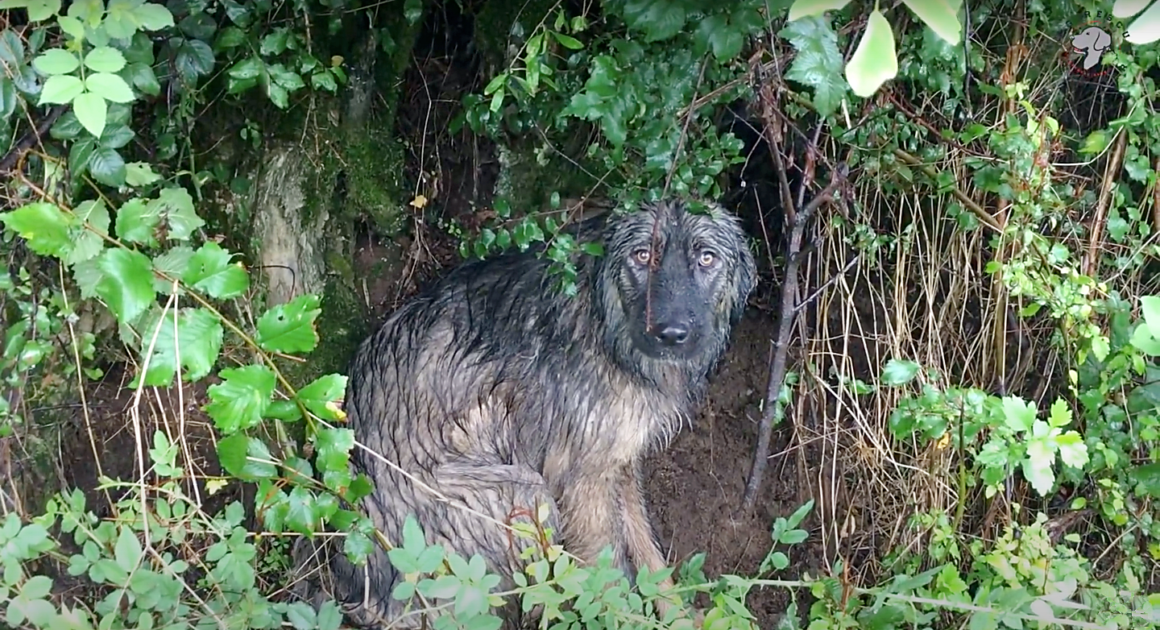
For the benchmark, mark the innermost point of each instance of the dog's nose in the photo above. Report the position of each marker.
(672, 334)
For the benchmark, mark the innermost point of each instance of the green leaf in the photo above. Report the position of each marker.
(198, 342)
(56, 61)
(898, 373)
(246, 458)
(8, 98)
(143, 78)
(413, 10)
(940, 16)
(301, 512)
(239, 401)
(289, 328)
(725, 39)
(71, 25)
(127, 552)
(1095, 142)
(1147, 477)
(1150, 306)
(92, 112)
(115, 136)
(136, 222)
(1018, 414)
(105, 59)
(86, 243)
(1037, 466)
(1072, 449)
(210, 271)
(126, 285)
(1145, 341)
(138, 174)
(1060, 415)
(808, 8)
(818, 63)
(11, 48)
(320, 395)
(1145, 29)
(60, 89)
(194, 58)
(567, 41)
(110, 86)
(658, 19)
(175, 205)
(107, 166)
(44, 226)
(172, 263)
(153, 16)
(874, 61)
(333, 447)
(40, 10)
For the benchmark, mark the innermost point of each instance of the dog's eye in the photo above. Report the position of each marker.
(642, 256)
(707, 258)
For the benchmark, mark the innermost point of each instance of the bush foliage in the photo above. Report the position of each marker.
(1027, 502)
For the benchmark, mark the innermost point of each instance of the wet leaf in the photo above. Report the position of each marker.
(289, 328)
(874, 61)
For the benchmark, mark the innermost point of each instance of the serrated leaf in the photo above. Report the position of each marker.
(56, 61)
(333, 448)
(1037, 466)
(87, 244)
(723, 38)
(808, 8)
(111, 87)
(195, 347)
(940, 16)
(818, 63)
(1072, 449)
(72, 26)
(43, 225)
(301, 511)
(107, 166)
(40, 10)
(874, 61)
(105, 59)
(240, 400)
(138, 174)
(126, 284)
(60, 89)
(194, 58)
(1145, 29)
(1018, 414)
(246, 458)
(172, 263)
(289, 328)
(175, 205)
(136, 222)
(92, 112)
(211, 271)
(320, 395)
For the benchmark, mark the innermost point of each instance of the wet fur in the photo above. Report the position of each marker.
(500, 392)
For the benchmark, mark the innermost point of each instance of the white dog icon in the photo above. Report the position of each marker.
(1093, 41)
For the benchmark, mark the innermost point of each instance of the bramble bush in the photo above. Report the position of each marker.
(99, 223)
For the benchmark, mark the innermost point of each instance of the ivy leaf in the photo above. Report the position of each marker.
(86, 243)
(107, 166)
(56, 61)
(126, 285)
(239, 401)
(60, 89)
(175, 205)
(209, 270)
(104, 59)
(818, 63)
(320, 396)
(246, 458)
(44, 226)
(940, 16)
(289, 328)
(874, 61)
(809, 8)
(110, 86)
(92, 112)
(198, 343)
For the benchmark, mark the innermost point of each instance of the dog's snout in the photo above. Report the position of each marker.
(672, 333)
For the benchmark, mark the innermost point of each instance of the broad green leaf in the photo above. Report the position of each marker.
(240, 400)
(44, 226)
(176, 206)
(88, 276)
(1018, 414)
(116, 136)
(172, 263)
(1150, 306)
(105, 59)
(658, 19)
(1038, 466)
(1145, 29)
(320, 395)
(11, 48)
(194, 58)
(874, 61)
(107, 166)
(301, 511)
(211, 271)
(940, 16)
(56, 61)
(143, 78)
(412, 10)
(92, 112)
(289, 328)
(567, 41)
(1060, 415)
(128, 550)
(806, 8)
(40, 10)
(138, 174)
(1147, 476)
(723, 38)
(153, 16)
(136, 222)
(898, 373)
(1072, 449)
(1095, 142)
(87, 244)
(333, 447)
(1127, 8)
(246, 458)
(195, 348)
(126, 285)
(72, 26)
(60, 89)
(110, 86)
(1144, 341)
